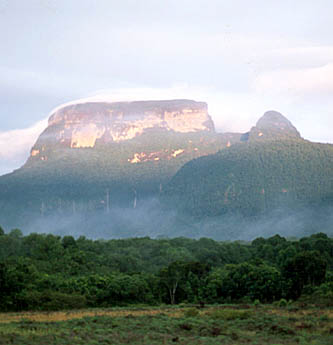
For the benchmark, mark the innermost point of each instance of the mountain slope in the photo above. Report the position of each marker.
(255, 178)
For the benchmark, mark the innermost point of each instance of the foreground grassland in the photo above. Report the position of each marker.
(183, 325)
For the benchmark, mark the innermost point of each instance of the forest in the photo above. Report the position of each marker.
(48, 272)
(252, 179)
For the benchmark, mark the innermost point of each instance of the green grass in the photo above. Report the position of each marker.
(212, 325)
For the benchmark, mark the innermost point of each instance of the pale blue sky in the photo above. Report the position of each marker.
(242, 57)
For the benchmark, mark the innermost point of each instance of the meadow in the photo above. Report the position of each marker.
(218, 324)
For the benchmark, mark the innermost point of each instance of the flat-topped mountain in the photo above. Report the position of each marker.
(88, 124)
(96, 154)
(98, 124)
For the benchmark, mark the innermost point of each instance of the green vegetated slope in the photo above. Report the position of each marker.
(73, 181)
(255, 177)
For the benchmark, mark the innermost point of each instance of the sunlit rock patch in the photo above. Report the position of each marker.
(141, 157)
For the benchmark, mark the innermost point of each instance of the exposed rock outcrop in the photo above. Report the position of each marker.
(84, 125)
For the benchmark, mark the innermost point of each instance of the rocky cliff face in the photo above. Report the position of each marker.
(86, 125)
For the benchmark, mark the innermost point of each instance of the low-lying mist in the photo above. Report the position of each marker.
(149, 218)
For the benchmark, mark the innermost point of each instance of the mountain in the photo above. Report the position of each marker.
(272, 126)
(97, 156)
(272, 168)
(90, 125)
(125, 169)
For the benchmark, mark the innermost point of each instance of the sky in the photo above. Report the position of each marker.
(241, 57)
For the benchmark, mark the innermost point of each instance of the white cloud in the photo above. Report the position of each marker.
(294, 55)
(298, 82)
(39, 82)
(15, 145)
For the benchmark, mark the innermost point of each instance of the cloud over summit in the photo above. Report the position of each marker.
(15, 145)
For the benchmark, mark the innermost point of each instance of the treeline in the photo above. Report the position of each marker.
(48, 272)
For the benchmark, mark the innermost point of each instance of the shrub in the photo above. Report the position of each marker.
(191, 312)
(228, 314)
(51, 300)
(283, 303)
(185, 326)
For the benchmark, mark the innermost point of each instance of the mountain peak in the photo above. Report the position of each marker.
(273, 125)
(274, 120)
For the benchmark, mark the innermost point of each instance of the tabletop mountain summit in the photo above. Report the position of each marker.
(126, 138)
(89, 125)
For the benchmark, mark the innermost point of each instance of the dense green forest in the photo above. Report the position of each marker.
(254, 178)
(47, 272)
(80, 181)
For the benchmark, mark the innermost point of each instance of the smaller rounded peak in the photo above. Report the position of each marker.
(273, 118)
(273, 125)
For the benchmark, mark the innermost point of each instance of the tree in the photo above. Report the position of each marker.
(184, 280)
(171, 277)
(68, 242)
(15, 278)
(16, 233)
(235, 282)
(305, 268)
(5, 286)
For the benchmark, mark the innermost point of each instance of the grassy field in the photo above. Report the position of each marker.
(183, 325)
